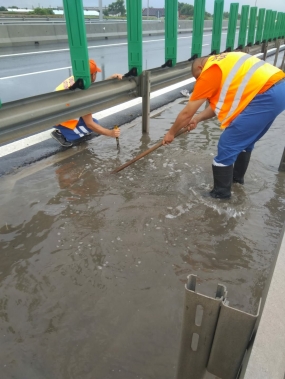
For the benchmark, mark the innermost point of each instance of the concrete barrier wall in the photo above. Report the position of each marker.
(15, 35)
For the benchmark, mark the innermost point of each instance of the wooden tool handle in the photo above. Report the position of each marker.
(145, 153)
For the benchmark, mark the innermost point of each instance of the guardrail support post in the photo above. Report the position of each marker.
(200, 317)
(283, 63)
(264, 49)
(277, 52)
(145, 89)
(76, 31)
(232, 25)
(134, 25)
(214, 336)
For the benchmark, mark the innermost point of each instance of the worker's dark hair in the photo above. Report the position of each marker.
(197, 60)
(193, 64)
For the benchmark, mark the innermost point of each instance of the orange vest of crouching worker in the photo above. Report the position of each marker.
(70, 124)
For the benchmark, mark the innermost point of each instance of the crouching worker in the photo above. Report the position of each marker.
(246, 94)
(75, 131)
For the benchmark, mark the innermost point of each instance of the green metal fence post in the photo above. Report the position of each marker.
(243, 26)
(171, 16)
(217, 26)
(260, 23)
(282, 17)
(266, 30)
(278, 26)
(283, 27)
(76, 31)
(252, 24)
(198, 28)
(134, 25)
(272, 26)
(232, 27)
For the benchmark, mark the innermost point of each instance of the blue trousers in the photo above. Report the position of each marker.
(79, 131)
(250, 125)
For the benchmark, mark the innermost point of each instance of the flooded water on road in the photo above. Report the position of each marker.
(93, 264)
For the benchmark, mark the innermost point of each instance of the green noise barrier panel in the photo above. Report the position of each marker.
(243, 26)
(252, 25)
(217, 26)
(76, 31)
(266, 30)
(198, 28)
(260, 25)
(134, 26)
(232, 27)
(171, 16)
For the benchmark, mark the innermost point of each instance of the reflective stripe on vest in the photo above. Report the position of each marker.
(241, 88)
(228, 81)
(65, 84)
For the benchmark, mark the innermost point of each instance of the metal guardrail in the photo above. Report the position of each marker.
(32, 115)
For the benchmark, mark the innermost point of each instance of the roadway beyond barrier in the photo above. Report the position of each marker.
(16, 35)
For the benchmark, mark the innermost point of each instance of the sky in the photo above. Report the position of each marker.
(277, 5)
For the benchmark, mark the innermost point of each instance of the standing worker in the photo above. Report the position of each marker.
(246, 94)
(68, 132)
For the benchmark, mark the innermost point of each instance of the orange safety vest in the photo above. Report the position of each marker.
(243, 76)
(65, 84)
(71, 124)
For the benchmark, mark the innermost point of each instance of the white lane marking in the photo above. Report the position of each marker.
(58, 51)
(35, 73)
(43, 72)
(40, 137)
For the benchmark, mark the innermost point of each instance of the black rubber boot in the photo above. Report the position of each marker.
(223, 176)
(240, 166)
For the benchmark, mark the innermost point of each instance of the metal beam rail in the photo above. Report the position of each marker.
(32, 115)
(28, 116)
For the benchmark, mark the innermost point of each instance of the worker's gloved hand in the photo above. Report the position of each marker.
(193, 123)
(168, 138)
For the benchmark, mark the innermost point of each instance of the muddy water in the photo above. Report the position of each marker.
(93, 265)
